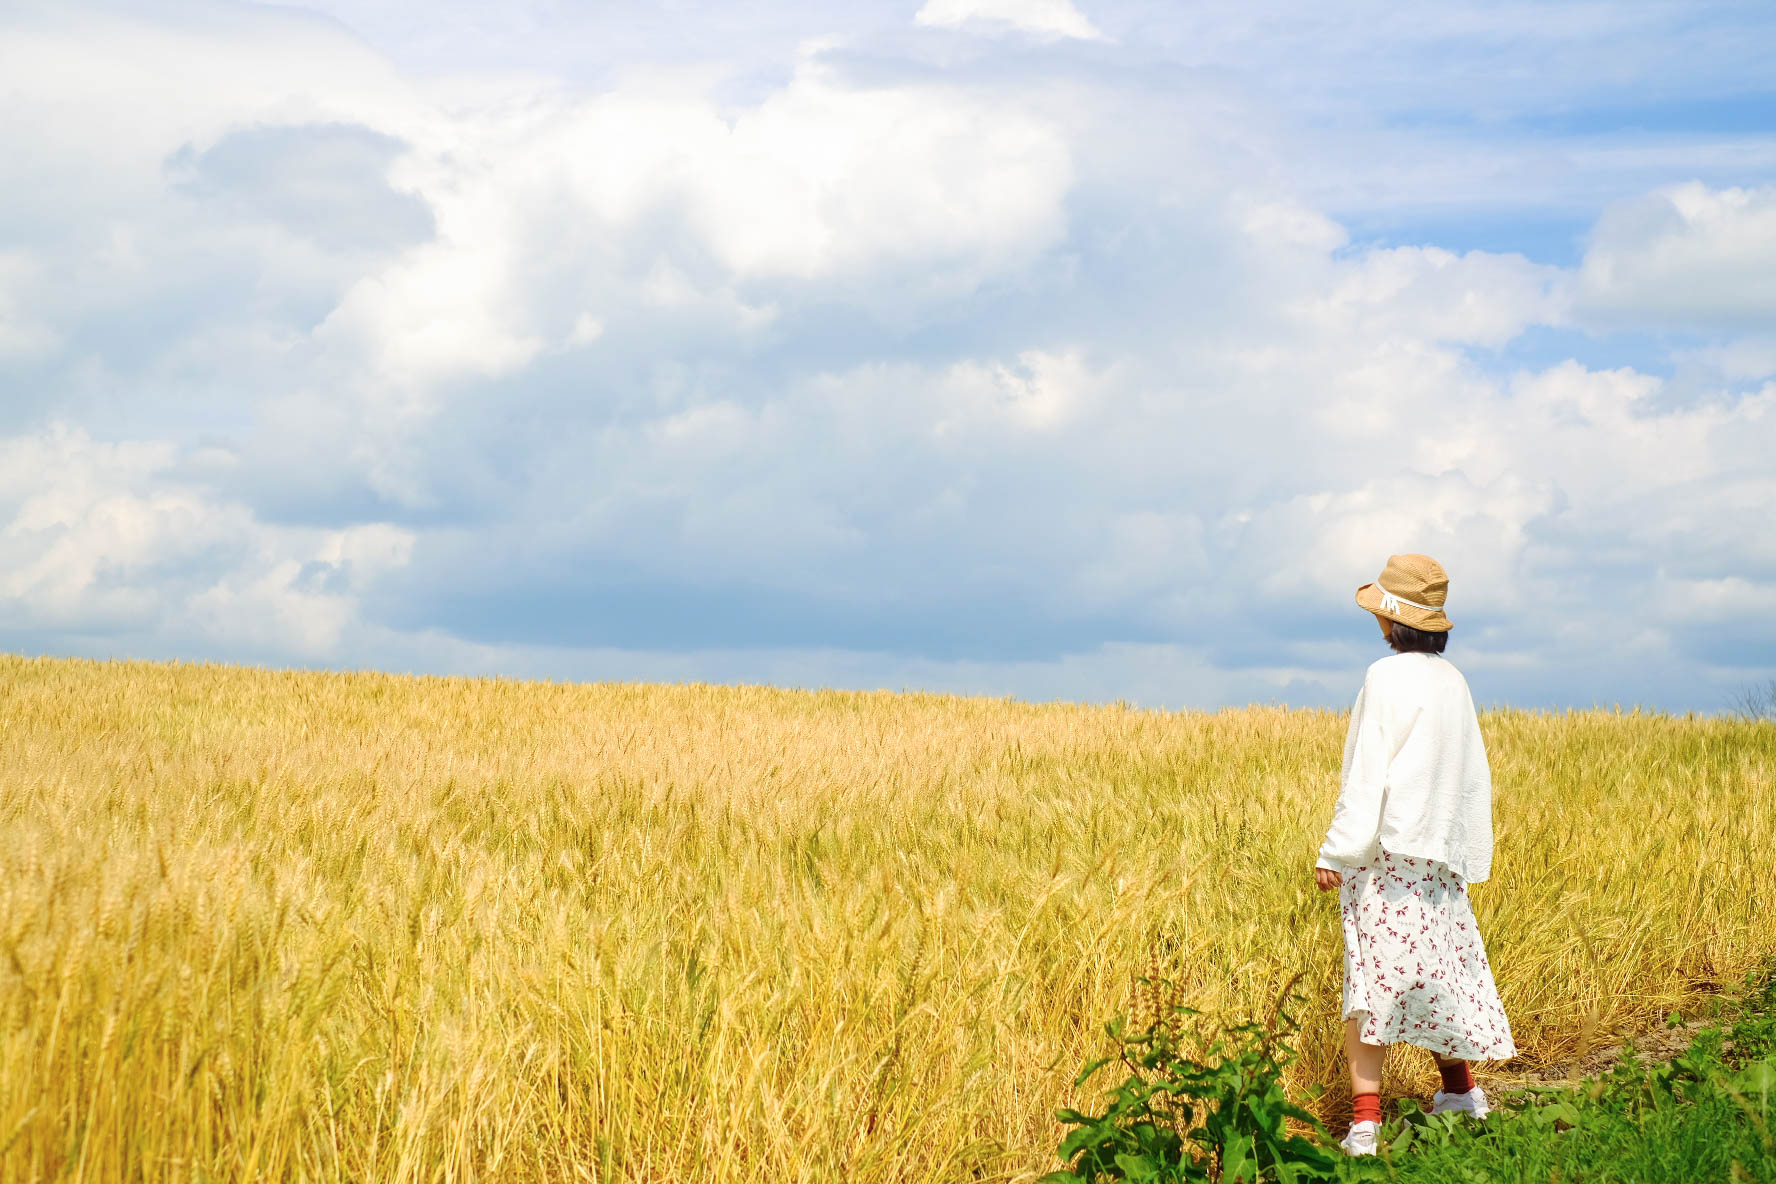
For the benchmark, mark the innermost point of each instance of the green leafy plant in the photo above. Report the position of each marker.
(1753, 1038)
(1195, 1110)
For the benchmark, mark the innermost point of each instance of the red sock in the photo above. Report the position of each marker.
(1365, 1108)
(1457, 1077)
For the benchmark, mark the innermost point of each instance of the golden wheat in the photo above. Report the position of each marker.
(263, 925)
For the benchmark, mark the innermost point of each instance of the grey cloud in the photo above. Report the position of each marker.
(1746, 646)
(596, 603)
(327, 183)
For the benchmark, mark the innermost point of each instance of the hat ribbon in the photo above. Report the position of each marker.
(1391, 603)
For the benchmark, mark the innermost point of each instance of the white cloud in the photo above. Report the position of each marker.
(825, 178)
(101, 98)
(550, 207)
(1727, 601)
(822, 181)
(1737, 360)
(863, 369)
(108, 538)
(23, 334)
(1292, 224)
(1435, 295)
(1331, 538)
(1044, 18)
(1042, 391)
(587, 329)
(443, 311)
(1685, 256)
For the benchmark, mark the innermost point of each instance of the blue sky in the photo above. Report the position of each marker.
(1046, 348)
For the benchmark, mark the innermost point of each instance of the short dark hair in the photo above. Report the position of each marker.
(1407, 640)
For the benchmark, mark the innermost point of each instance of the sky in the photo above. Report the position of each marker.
(1092, 350)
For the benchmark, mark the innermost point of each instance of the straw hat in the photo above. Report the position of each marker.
(1411, 590)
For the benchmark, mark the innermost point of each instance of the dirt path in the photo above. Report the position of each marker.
(1654, 1047)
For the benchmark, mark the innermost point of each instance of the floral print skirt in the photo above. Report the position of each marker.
(1414, 967)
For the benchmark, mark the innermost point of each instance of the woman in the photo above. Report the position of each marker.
(1413, 828)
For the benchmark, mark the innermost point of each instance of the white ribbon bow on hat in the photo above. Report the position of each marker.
(1391, 603)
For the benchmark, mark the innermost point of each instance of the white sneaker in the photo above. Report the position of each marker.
(1473, 1102)
(1361, 1140)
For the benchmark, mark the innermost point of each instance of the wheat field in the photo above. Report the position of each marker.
(298, 926)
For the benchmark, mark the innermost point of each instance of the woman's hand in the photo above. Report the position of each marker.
(1328, 879)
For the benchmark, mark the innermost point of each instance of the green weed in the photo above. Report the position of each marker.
(1214, 1113)
(1705, 1115)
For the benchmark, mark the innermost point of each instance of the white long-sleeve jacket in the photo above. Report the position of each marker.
(1415, 780)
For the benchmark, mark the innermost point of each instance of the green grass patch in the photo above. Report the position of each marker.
(1704, 1116)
